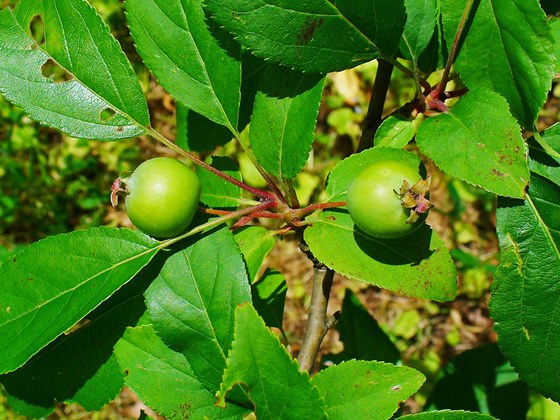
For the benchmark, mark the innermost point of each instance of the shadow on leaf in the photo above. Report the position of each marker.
(409, 250)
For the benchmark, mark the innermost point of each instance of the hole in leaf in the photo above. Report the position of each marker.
(37, 29)
(54, 72)
(107, 114)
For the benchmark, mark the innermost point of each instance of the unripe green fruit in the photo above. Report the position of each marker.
(375, 196)
(162, 197)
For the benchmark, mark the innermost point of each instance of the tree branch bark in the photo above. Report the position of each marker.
(374, 115)
(317, 323)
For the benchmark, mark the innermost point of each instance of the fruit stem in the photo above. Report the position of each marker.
(453, 52)
(212, 223)
(256, 191)
(318, 206)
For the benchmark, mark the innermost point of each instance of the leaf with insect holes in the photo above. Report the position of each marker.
(102, 98)
(316, 36)
(195, 60)
(53, 283)
(480, 142)
(508, 48)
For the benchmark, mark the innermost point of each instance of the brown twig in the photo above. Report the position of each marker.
(375, 109)
(317, 323)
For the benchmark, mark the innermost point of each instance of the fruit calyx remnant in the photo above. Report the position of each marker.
(414, 198)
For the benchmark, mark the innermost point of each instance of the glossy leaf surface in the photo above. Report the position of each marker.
(316, 35)
(275, 385)
(526, 288)
(394, 132)
(255, 243)
(508, 48)
(359, 388)
(417, 265)
(164, 380)
(283, 121)
(478, 141)
(217, 192)
(192, 301)
(54, 283)
(422, 16)
(82, 360)
(193, 59)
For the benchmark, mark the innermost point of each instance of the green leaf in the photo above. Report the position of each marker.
(252, 69)
(269, 298)
(479, 142)
(317, 35)
(192, 301)
(526, 287)
(82, 361)
(417, 265)
(255, 242)
(481, 380)
(448, 415)
(198, 133)
(276, 386)
(283, 121)
(435, 56)
(102, 98)
(544, 156)
(422, 17)
(362, 389)
(193, 59)
(555, 28)
(508, 48)
(395, 131)
(55, 282)
(361, 335)
(164, 380)
(216, 191)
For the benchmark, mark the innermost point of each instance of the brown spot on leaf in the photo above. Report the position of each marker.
(498, 173)
(309, 27)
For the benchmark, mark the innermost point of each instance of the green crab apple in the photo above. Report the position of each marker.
(161, 196)
(387, 200)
